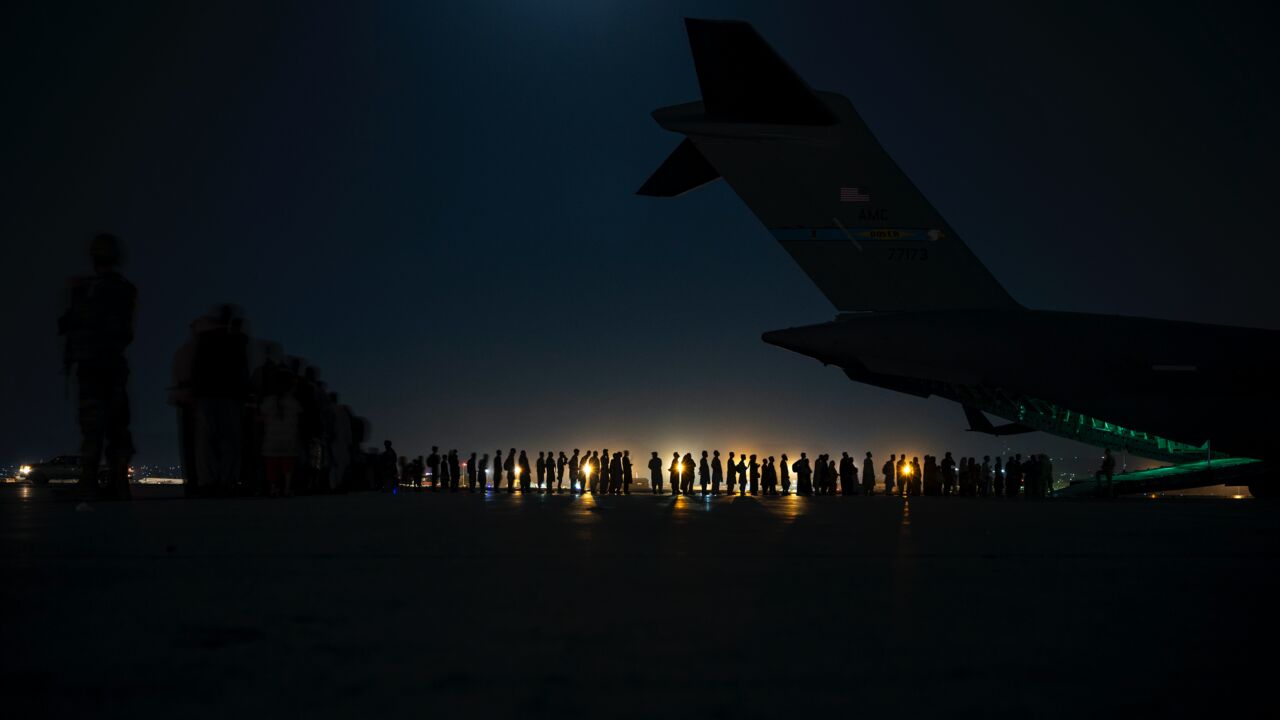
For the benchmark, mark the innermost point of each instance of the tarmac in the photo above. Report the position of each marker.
(460, 605)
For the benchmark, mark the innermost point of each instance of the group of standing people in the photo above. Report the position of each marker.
(275, 430)
(742, 474)
(1032, 477)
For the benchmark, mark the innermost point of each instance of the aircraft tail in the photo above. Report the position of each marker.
(809, 168)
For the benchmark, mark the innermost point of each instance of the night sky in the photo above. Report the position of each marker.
(434, 202)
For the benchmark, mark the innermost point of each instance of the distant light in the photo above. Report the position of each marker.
(24, 471)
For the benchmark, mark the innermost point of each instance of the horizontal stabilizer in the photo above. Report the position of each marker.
(745, 80)
(683, 170)
(978, 422)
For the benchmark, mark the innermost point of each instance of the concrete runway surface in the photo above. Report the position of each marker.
(466, 606)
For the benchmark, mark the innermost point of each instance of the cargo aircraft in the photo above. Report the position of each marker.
(1197, 396)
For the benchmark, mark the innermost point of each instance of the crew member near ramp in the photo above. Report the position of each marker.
(98, 326)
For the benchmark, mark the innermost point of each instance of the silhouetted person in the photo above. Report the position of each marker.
(497, 469)
(603, 471)
(931, 480)
(1106, 472)
(526, 471)
(510, 467)
(997, 478)
(482, 470)
(562, 463)
(847, 475)
(948, 473)
(98, 325)
(1013, 476)
(731, 479)
(769, 476)
(686, 474)
(455, 471)
(1031, 476)
(626, 472)
(592, 468)
(542, 469)
(655, 473)
(220, 384)
(784, 474)
(717, 473)
(674, 473)
(433, 467)
(615, 474)
(444, 479)
(804, 475)
(890, 467)
(868, 475)
(753, 469)
(279, 415)
(472, 466)
(387, 466)
(742, 474)
(704, 472)
(575, 466)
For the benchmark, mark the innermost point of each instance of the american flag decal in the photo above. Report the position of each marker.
(853, 194)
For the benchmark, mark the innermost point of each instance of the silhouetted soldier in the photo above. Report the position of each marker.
(742, 473)
(686, 474)
(674, 473)
(753, 467)
(655, 473)
(731, 480)
(98, 326)
(784, 472)
(497, 469)
(542, 469)
(626, 472)
(561, 463)
(819, 473)
(574, 467)
(603, 470)
(717, 473)
(888, 470)
(704, 472)
(510, 467)
(769, 476)
(433, 465)
(868, 475)
(804, 476)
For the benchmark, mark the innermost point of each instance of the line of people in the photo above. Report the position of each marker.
(608, 473)
(275, 430)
